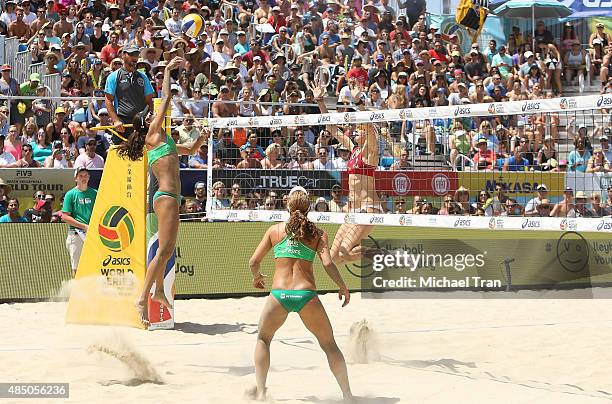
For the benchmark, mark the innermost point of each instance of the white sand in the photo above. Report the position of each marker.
(434, 351)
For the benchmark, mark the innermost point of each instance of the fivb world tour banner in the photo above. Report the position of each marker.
(112, 265)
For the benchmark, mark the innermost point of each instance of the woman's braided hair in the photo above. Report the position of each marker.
(298, 226)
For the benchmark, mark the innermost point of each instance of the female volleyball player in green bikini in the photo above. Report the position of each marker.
(163, 159)
(295, 245)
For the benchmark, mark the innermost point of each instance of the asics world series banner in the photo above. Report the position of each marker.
(112, 267)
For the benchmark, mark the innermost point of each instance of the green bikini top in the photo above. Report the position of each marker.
(289, 248)
(161, 150)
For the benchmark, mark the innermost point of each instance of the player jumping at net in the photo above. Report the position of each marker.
(163, 159)
(363, 197)
(295, 244)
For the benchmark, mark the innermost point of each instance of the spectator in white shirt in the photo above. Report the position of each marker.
(344, 155)
(531, 209)
(89, 159)
(323, 162)
(6, 158)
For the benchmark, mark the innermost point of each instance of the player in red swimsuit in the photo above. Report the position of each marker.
(362, 187)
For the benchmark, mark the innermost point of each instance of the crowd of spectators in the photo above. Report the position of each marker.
(460, 202)
(261, 59)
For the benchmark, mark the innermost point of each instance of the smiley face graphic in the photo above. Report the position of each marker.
(573, 252)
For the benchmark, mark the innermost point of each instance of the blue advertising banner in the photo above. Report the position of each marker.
(589, 8)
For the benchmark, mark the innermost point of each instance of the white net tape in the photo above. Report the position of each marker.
(540, 106)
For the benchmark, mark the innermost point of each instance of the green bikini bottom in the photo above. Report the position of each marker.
(170, 194)
(293, 300)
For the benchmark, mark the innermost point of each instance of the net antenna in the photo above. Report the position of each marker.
(289, 53)
(322, 77)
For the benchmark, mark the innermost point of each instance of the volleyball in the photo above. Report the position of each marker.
(116, 229)
(192, 25)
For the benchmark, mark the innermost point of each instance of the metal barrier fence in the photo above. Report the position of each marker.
(39, 68)
(2, 42)
(10, 50)
(22, 66)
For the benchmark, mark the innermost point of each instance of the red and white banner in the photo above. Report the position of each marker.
(408, 183)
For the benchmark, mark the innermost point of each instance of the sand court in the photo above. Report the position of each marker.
(435, 351)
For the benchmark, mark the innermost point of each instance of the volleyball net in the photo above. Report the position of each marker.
(467, 165)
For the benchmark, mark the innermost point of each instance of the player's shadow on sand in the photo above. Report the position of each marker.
(130, 382)
(449, 364)
(215, 329)
(249, 370)
(360, 400)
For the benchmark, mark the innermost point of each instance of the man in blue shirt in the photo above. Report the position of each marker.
(128, 92)
(13, 215)
(516, 162)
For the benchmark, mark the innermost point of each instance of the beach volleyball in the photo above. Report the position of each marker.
(193, 25)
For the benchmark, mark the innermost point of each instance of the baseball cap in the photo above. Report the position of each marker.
(80, 169)
(175, 87)
(102, 111)
(35, 77)
(380, 58)
(199, 184)
(60, 110)
(567, 189)
(482, 140)
(528, 54)
(542, 187)
(335, 186)
(607, 131)
(6, 68)
(130, 49)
